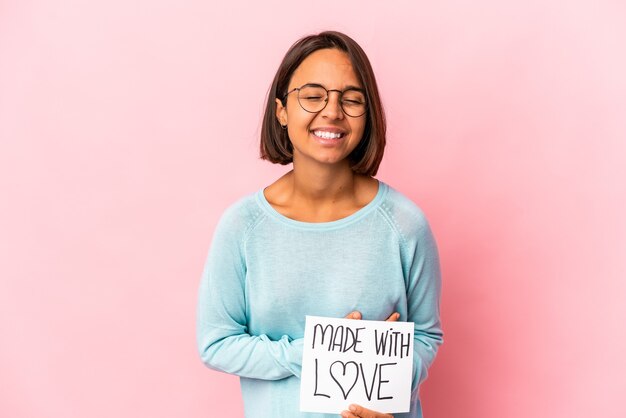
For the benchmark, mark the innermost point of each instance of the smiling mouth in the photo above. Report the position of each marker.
(328, 135)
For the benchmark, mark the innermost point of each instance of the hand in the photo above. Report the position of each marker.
(357, 411)
(357, 315)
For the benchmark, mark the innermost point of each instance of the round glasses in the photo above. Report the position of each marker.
(313, 98)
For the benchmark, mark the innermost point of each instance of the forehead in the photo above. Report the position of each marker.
(329, 67)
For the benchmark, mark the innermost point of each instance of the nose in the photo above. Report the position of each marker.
(333, 109)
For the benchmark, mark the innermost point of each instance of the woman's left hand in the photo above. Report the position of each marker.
(357, 411)
(357, 315)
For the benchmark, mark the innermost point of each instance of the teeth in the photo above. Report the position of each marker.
(327, 135)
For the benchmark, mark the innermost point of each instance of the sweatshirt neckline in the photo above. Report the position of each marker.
(359, 214)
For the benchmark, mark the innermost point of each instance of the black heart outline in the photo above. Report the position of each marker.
(344, 365)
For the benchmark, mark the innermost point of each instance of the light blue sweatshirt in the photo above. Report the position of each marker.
(265, 272)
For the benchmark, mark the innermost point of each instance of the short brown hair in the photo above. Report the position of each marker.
(275, 144)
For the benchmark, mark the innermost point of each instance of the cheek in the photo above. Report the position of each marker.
(302, 122)
(298, 126)
(359, 129)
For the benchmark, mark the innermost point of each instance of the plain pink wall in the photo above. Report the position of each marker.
(127, 127)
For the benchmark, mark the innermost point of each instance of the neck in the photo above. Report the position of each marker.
(323, 183)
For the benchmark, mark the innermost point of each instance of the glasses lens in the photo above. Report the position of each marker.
(312, 98)
(353, 103)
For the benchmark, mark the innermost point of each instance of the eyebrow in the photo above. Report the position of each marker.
(348, 87)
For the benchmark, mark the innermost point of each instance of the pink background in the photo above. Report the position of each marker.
(128, 126)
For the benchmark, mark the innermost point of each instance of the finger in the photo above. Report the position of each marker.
(393, 317)
(348, 414)
(354, 315)
(361, 412)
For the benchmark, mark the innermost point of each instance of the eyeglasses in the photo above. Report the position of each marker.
(313, 98)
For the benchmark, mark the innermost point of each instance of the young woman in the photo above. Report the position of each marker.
(325, 239)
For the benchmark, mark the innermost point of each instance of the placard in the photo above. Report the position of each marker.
(347, 361)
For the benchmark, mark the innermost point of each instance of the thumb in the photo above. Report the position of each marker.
(354, 315)
(367, 413)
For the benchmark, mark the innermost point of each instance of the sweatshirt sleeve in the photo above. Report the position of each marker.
(423, 298)
(223, 340)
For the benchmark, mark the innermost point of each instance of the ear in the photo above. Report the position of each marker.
(281, 113)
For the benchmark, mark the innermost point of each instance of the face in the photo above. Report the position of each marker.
(332, 69)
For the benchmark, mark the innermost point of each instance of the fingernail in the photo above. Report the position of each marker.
(352, 408)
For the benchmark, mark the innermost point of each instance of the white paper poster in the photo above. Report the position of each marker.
(347, 361)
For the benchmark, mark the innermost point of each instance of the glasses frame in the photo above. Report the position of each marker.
(341, 92)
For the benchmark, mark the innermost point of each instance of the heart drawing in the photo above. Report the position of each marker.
(344, 378)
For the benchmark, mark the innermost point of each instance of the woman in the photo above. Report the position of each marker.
(325, 239)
